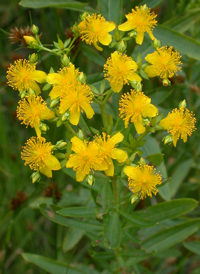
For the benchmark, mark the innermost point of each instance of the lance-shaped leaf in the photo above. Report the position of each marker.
(112, 231)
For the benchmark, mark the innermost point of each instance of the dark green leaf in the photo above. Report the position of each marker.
(77, 212)
(155, 159)
(93, 55)
(193, 246)
(151, 3)
(171, 236)
(103, 200)
(51, 266)
(112, 231)
(136, 221)
(72, 238)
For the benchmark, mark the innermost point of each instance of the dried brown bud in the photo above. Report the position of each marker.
(52, 189)
(17, 202)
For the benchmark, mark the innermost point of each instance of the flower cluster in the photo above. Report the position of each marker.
(107, 147)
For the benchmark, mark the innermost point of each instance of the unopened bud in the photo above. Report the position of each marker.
(146, 122)
(134, 198)
(81, 78)
(167, 140)
(54, 102)
(80, 134)
(35, 29)
(166, 82)
(84, 15)
(65, 117)
(61, 145)
(121, 46)
(22, 94)
(65, 60)
(132, 34)
(142, 161)
(35, 176)
(43, 127)
(33, 58)
(144, 7)
(31, 41)
(117, 36)
(183, 104)
(90, 179)
(31, 92)
(156, 43)
(60, 43)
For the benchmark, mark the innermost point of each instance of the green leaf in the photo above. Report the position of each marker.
(103, 200)
(161, 95)
(93, 55)
(155, 159)
(77, 212)
(63, 4)
(171, 236)
(179, 175)
(49, 265)
(51, 214)
(152, 3)
(111, 10)
(136, 221)
(152, 147)
(112, 231)
(72, 238)
(193, 246)
(184, 44)
(131, 237)
(168, 210)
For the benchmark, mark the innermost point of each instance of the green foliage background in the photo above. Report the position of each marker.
(157, 240)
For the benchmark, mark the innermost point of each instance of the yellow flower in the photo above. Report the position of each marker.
(75, 101)
(141, 20)
(23, 76)
(85, 159)
(62, 81)
(109, 152)
(164, 62)
(143, 180)
(38, 155)
(180, 123)
(135, 105)
(32, 110)
(94, 28)
(119, 69)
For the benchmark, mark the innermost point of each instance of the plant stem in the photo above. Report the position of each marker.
(104, 116)
(115, 190)
(67, 125)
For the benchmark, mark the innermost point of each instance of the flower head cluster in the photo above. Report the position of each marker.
(23, 76)
(31, 110)
(62, 81)
(85, 159)
(108, 151)
(143, 180)
(119, 69)
(180, 123)
(94, 28)
(141, 20)
(164, 63)
(75, 101)
(37, 153)
(134, 106)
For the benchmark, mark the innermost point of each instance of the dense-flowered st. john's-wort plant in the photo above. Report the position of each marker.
(108, 159)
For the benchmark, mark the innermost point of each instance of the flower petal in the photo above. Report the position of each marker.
(150, 71)
(150, 111)
(74, 117)
(106, 39)
(39, 76)
(80, 176)
(35, 87)
(139, 37)
(125, 26)
(77, 145)
(52, 162)
(151, 35)
(110, 170)
(117, 138)
(119, 155)
(128, 170)
(139, 127)
(135, 77)
(149, 57)
(46, 171)
(48, 114)
(53, 78)
(116, 87)
(109, 25)
(89, 111)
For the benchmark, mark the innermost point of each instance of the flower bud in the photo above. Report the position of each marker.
(84, 15)
(80, 134)
(146, 122)
(31, 41)
(132, 34)
(22, 94)
(61, 145)
(65, 60)
(90, 179)
(183, 104)
(33, 58)
(166, 82)
(142, 161)
(31, 92)
(167, 140)
(156, 43)
(35, 29)
(43, 127)
(81, 78)
(117, 36)
(134, 198)
(65, 117)
(121, 46)
(54, 102)
(60, 43)
(35, 176)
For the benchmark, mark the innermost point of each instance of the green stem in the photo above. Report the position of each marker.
(115, 190)
(104, 116)
(108, 96)
(67, 125)
(143, 135)
(8, 236)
